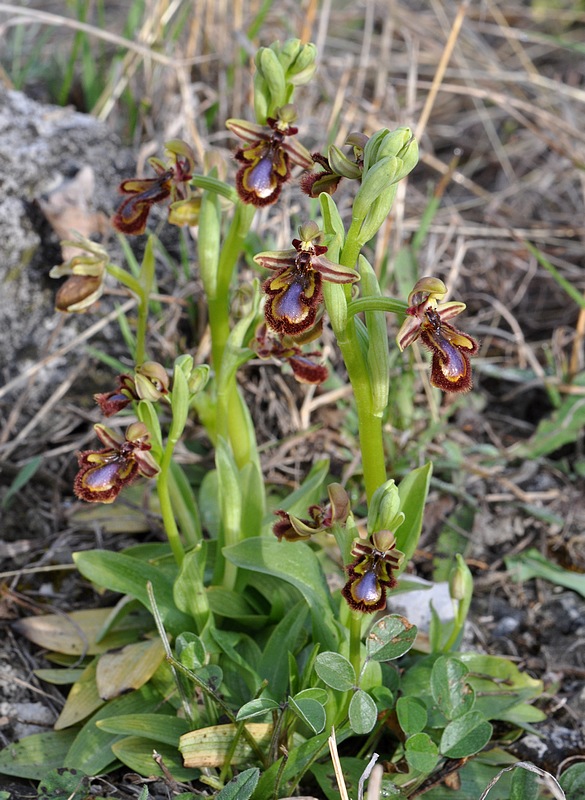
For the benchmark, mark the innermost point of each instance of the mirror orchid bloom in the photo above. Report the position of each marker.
(428, 320)
(103, 473)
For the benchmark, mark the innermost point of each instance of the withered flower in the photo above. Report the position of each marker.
(294, 293)
(171, 182)
(335, 166)
(370, 573)
(322, 518)
(103, 473)
(451, 348)
(268, 344)
(267, 157)
(152, 381)
(86, 268)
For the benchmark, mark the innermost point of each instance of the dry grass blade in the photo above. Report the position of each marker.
(550, 782)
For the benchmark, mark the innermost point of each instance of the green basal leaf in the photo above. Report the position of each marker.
(523, 716)
(363, 713)
(121, 573)
(234, 605)
(465, 735)
(257, 708)
(309, 711)
(498, 684)
(297, 564)
(33, 756)
(91, 750)
(186, 595)
(335, 671)
(562, 427)
(164, 728)
(127, 609)
(59, 677)
(422, 754)
(242, 787)
(283, 640)
(391, 637)
(413, 490)
(69, 783)
(531, 564)
(83, 698)
(136, 753)
(451, 691)
(412, 714)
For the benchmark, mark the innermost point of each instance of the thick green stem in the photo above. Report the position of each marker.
(355, 640)
(141, 327)
(219, 305)
(166, 508)
(369, 424)
(231, 419)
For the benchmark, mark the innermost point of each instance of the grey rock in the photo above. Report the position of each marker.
(41, 148)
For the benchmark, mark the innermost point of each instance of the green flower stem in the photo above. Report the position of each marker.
(142, 289)
(355, 640)
(369, 424)
(166, 507)
(188, 515)
(219, 307)
(377, 304)
(232, 406)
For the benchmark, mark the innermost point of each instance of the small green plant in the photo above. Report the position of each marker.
(228, 660)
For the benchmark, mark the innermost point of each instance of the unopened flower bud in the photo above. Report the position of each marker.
(384, 513)
(198, 379)
(460, 580)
